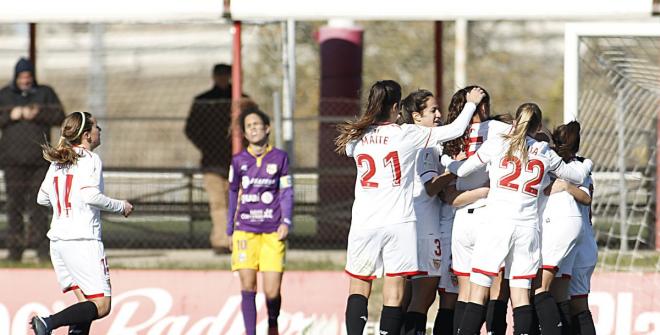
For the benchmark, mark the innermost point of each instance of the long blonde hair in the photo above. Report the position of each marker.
(382, 97)
(73, 127)
(528, 118)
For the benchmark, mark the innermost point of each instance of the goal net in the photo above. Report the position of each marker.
(612, 86)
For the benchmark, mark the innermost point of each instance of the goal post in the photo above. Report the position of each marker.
(612, 86)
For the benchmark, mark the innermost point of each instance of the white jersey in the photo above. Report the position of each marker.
(427, 207)
(514, 188)
(385, 161)
(75, 193)
(478, 134)
(562, 204)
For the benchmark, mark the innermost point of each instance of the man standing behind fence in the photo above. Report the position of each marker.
(27, 112)
(208, 128)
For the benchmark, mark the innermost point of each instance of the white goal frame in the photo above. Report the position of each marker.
(572, 34)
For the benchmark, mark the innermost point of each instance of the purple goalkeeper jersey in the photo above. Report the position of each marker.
(265, 199)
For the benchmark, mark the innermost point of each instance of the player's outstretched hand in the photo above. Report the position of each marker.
(475, 95)
(128, 208)
(282, 231)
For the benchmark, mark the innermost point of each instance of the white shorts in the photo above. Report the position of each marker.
(580, 282)
(389, 250)
(558, 237)
(448, 281)
(429, 254)
(516, 246)
(81, 264)
(467, 224)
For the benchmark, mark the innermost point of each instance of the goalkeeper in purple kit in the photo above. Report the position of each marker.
(259, 219)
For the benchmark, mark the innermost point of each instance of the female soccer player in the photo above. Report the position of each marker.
(421, 108)
(73, 187)
(586, 256)
(469, 215)
(382, 238)
(517, 168)
(260, 223)
(561, 223)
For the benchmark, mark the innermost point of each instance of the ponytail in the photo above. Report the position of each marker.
(567, 140)
(528, 118)
(383, 96)
(73, 127)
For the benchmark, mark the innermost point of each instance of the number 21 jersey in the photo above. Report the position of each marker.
(385, 161)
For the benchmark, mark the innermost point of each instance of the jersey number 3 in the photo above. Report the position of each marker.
(67, 192)
(368, 162)
(509, 181)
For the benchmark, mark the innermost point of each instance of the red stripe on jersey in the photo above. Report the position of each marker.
(441, 290)
(460, 274)
(550, 267)
(502, 269)
(70, 288)
(428, 138)
(578, 296)
(86, 187)
(525, 276)
(92, 296)
(566, 276)
(360, 277)
(410, 273)
(487, 273)
(481, 160)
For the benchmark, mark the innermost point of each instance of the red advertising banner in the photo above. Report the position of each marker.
(178, 302)
(154, 302)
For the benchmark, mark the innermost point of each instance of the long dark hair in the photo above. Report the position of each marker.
(567, 140)
(528, 117)
(73, 127)
(415, 102)
(383, 95)
(458, 101)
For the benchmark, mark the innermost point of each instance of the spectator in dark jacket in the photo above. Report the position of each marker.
(27, 113)
(208, 127)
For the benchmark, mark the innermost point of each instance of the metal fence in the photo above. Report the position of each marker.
(140, 80)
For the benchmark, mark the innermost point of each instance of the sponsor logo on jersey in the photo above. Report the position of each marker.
(267, 198)
(256, 182)
(249, 198)
(258, 215)
(271, 168)
(436, 263)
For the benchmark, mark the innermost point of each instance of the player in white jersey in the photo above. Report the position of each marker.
(73, 187)
(382, 237)
(518, 168)
(421, 108)
(586, 256)
(468, 219)
(560, 224)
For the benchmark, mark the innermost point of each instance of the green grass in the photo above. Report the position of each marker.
(637, 261)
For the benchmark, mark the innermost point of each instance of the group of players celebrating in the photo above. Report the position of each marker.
(482, 209)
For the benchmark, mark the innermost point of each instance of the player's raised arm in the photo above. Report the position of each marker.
(479, 159)
(573, 173)
(457, 128)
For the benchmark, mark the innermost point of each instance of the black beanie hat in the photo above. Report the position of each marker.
(23, 65)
